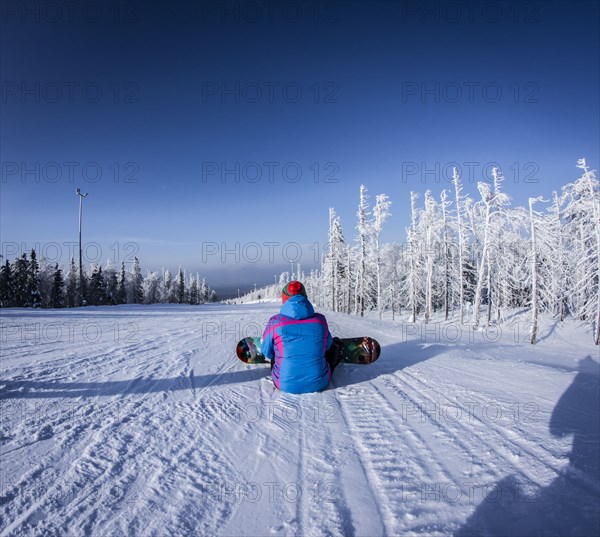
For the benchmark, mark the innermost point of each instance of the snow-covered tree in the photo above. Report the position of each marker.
(333, 266)
(534, 271)
(362, 271)
(137, 291)
(72, 286)
(348, 284)
(446, 254)
(492, 203)
(583, 226)
(391, 278)
(460, 235)
(45, 278)
(152, 288)
(558, 261)
(429, 221)
(167, 286)
(205, 294)
(381, 213)
(412, 282)
(111, 283)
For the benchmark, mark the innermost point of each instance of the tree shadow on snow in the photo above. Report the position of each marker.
(393, 358)
(27, 389)
(570, 505)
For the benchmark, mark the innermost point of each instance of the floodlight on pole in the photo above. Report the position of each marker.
(81, 196)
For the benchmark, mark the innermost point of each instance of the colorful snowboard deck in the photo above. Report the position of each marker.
(356, 350)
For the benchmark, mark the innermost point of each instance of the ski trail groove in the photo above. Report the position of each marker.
(378, 454)
(507, 446)
(504, 446)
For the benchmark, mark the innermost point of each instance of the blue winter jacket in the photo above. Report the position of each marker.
(297, 339)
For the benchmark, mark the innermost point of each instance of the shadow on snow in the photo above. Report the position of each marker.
(569, 505)
(393, 358)
(28, 389)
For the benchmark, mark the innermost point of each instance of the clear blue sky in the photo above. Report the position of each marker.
(173, 95)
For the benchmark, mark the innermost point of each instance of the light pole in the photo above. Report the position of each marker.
(81, 196)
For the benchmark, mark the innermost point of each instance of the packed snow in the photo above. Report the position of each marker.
(140, 420)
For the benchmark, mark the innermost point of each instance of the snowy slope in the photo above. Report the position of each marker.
(140, 421)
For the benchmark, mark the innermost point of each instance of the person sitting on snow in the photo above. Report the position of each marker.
(298, 342)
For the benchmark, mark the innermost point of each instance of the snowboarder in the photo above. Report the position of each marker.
(298, 342)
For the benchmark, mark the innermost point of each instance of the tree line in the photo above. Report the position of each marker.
(468, 259)
(27, 282)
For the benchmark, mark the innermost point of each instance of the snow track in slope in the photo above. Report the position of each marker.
(169, 433)
(520, 451)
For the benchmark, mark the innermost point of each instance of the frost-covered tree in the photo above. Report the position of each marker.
(428, 223)
(558, 273)
(152, 288)
(486, 198)
(412, 281)
(205, 294)
(45, 278)
(381, 213)
(534, 271)
(111, 282)
(72, 286)
(333, 266)
(137, 291)
(167, 286)
(367, 269)
(362, 271)
(583, 226)
(510, 251)
(496, 270)
(491, 202)
(348, 284)
(200, 290)
(446, 254)
(391, 278)
(460, 236)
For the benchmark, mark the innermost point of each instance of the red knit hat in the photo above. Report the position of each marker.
(291, 289)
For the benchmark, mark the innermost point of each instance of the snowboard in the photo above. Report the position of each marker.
(354, 350)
